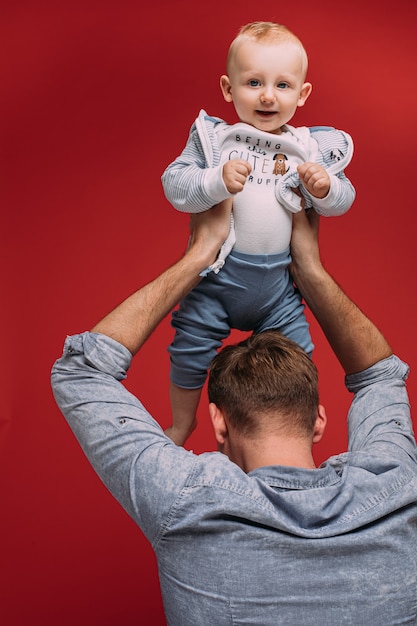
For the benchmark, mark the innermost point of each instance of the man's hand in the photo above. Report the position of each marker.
(314, 178)
(210, 229)
(235, 173)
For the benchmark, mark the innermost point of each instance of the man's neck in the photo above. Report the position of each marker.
(250, 454)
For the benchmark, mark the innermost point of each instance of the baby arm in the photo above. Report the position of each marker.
(331, 192)
(314, 178)
(235, 173)
(191, 183)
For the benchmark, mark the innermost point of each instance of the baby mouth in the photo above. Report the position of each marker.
(266, 113)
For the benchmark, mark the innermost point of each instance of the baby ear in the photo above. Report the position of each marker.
(226, 88)
(306, 90)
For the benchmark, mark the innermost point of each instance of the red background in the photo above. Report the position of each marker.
(96, 99)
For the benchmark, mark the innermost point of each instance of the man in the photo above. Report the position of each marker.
(255, 534)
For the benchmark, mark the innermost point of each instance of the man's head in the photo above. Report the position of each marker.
(266, 386)
(266, 70)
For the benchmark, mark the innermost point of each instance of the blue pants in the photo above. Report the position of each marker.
(250, 293)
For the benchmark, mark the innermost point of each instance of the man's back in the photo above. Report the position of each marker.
(254, 574)
(280, 545)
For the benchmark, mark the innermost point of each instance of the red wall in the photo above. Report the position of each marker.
(96, 99)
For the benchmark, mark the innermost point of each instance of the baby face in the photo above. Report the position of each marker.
(266, 83)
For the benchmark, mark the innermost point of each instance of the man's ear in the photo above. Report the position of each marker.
(219, 423)
(320, 424)
(306, 90)
(226, 88)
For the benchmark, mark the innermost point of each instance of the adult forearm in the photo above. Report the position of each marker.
(133, 320)
(355, 340)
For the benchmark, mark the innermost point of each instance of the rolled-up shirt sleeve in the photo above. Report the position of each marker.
(379, 418)
(143, 469)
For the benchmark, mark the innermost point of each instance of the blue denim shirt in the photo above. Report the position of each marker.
(280, 545)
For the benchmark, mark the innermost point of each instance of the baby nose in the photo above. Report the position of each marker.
(267, 95)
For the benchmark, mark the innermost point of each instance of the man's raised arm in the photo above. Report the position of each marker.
(135, 318)
(355, 340)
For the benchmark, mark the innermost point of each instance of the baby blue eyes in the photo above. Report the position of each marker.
(257, 83)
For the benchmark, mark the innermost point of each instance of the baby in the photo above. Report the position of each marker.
(264, 164)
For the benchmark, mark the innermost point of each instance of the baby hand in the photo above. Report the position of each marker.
(235, 173)
(315, 179)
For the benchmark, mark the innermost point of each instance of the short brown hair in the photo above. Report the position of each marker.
(267, 378)
(266, 32)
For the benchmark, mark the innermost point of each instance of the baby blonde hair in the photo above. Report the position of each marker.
(266, 32)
